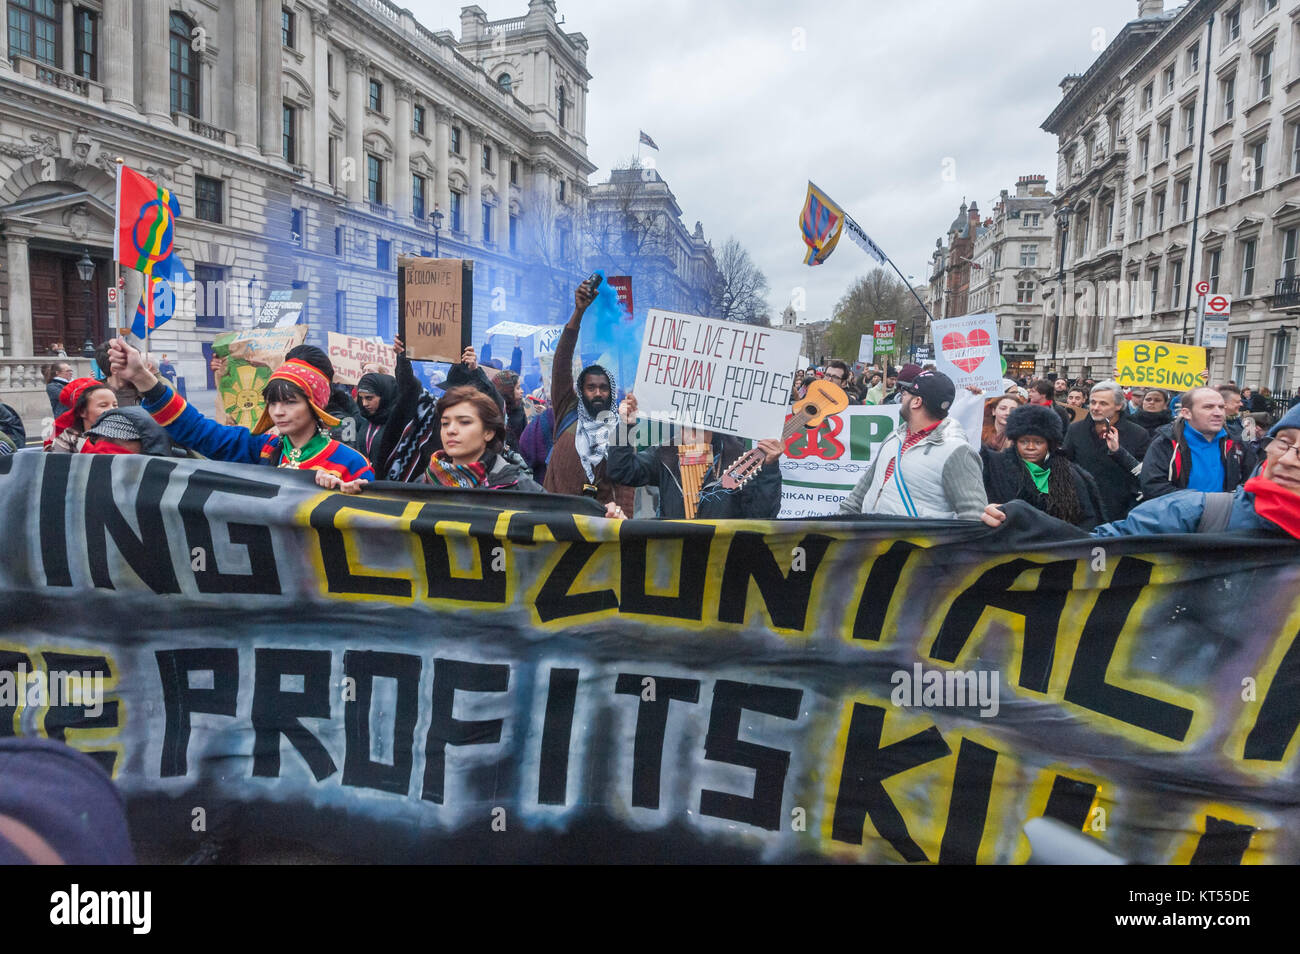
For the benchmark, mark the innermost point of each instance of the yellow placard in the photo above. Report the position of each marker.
(1159, 364)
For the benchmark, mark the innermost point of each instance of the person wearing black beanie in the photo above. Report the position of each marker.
(1032, 470)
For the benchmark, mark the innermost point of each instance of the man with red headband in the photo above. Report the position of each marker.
(296, 396)
(1268, 501)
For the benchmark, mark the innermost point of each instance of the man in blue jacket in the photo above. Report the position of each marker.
(1196, 452)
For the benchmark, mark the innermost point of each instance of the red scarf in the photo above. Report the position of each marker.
(1275, 503)
(103, 447)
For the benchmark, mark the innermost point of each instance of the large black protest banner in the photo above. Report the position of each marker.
(404, 676)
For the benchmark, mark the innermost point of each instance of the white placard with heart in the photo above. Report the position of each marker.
(966, 349)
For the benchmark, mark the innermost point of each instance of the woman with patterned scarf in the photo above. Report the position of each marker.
(473, 439)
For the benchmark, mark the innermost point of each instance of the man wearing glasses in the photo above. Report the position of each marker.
(1270, 500)
(837, 372)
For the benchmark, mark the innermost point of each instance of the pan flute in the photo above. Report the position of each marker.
(693, 461)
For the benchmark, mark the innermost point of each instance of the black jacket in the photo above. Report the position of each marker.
(1116, 474)
(759, 499)
(53, 390)
(1006, 478)
(1151, 422)
(12, 425)
(1168, 464)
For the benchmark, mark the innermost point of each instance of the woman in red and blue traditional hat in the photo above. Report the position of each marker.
(296, 396)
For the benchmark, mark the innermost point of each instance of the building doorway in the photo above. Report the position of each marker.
(67, 311)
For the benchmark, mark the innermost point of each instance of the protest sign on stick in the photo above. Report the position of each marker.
(884, 335)
(251, 356)
(1159, 364)
(966, 349)
(867, 350)
(435, 304)
(351, 356)
(726, 377)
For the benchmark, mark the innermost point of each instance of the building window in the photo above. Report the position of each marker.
(456, 225)
(561, 105)
(1108, 217)
(514, 233)
(210, 296)
(34, 30)
(1264, 70)
(286, 29)
(1295, 148)
(333, 160)
(1139, 214)
(1024, 295)
(1184, 199)
(329, 70)
(455, 139)
(417, 196)
(1144, 153)
(1232, 24)
(503, 83)
(562, 189)
(1153, 276)
(1164, 140)
(514, 166)
(1281, 362)
(1189, 124)
(566, 240)
(1030, 220)
(1288, 253)
(1148, 96)
(1029, 255)
(86, 64)
(1160, 212)
(338, 240)
(1257, 155)
(1169, 79)
(383, 254)
(289, 145)
(1213, 259)
(1221, 182)
(340, 311)
(375, 179)
(1240, 352)
(376, 96)
(1023, 327)
(1193, 57)
(1175, 283)
(487, 224)
(1228, 93)
(487, 157)
(207, 199)
(295, 227)
(1247, 267)
(417, 120)
(184, 67)
(384, 317)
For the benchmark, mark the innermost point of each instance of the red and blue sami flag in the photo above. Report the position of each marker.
(144, 240)
(821, 222)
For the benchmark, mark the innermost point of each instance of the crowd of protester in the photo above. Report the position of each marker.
(1092, 454)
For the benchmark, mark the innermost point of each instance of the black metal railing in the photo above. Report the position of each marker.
(1286, 293)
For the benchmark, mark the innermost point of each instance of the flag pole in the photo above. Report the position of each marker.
(910, 288)
(117, 255)
(148, 312)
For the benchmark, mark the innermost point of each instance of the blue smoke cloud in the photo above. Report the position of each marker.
(611, 337)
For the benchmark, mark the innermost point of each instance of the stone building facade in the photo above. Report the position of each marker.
(1137, 159)
(308, 144)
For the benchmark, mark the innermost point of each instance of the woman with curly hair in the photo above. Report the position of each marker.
(1032, 470)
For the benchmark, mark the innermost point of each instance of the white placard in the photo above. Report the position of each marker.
(966, 349)
(819, 470)
(725, 377)
(866, 350)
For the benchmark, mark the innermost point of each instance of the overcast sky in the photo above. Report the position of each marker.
(882, 93)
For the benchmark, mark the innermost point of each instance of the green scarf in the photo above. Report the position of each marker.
(1039, 475)
(291, 456)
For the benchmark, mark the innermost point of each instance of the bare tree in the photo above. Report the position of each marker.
(878, 296)
(553, 231)
(629, 233)
(740, 290)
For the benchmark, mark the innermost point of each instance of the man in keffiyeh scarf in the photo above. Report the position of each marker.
(591, 439)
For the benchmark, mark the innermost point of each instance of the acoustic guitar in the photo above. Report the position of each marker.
(823, 398)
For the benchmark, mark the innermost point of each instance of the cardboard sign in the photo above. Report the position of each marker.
(726, 377)
(867, 349)
(435, 305)
(884, 335)
(966, 349)
(282, 308)
(351, 357)
(251, 356)
(1159, 364)
(547, 339)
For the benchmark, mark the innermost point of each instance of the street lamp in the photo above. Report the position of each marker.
(1063, 222)
(437, 227)
(86, 272)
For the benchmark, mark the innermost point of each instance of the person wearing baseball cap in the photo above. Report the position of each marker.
(296, 397)
(895, 380)
(927, 467)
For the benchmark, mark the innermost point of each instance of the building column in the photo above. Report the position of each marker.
(442, 158)
(246, 74)
(20, 297)
(4, 43)
(320, 104)
(402, 150)
(358, 63)
(544, 198)
(475, 197)
(270, 96)
(157, 59)
(503, 197)
(118, 54)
